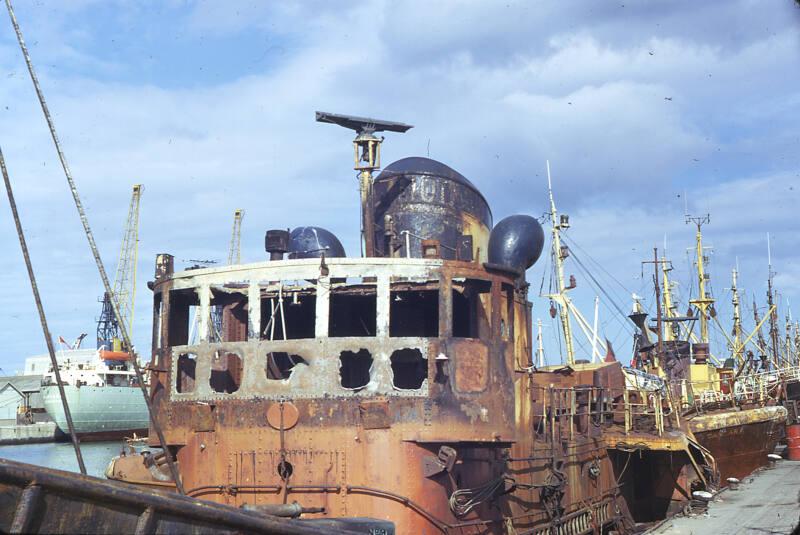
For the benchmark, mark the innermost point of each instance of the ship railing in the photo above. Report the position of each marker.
(750, 388)
(570, 412)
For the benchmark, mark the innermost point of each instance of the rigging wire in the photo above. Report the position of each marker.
(598, 264)
(93, 246)
(598, 285)
(45, 329)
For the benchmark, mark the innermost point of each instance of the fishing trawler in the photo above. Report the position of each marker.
(400, 385)
(732, 406)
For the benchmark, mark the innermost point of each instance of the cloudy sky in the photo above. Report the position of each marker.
(640, 107)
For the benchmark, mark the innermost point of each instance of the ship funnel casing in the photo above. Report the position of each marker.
(417, 199)
(313, 242)
(516, 242)
(276, 243)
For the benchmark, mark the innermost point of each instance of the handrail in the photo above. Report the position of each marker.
(637, 410)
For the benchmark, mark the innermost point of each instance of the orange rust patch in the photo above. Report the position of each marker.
(472, 366)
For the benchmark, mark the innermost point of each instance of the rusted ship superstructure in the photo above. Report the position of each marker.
(732, 406)
(400, 385)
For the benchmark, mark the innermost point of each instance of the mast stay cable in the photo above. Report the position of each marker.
(45, 329)
(93, 246)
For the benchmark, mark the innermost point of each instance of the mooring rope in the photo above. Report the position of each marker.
(93, 246)
(45, 329)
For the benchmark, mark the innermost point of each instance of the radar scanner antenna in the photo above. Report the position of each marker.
(367, 148)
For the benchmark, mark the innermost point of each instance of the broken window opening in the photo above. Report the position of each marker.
(409, 369)
(228, 321)
(226, 372)
(183, 306)
(507, 312)
(414, 313)
(187, 367)
(290, 309)
(215, 325)
(157, 318)
(353, 311)
(354, 369)
(280, 365)
(442, 370)
(472, 308)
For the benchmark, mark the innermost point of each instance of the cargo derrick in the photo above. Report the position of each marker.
(395, 386)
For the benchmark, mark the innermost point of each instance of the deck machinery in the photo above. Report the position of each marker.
(399, 385)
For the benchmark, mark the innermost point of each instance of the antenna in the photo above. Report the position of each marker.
(769, 254)
(697, 220)
(550, 191)
(362, 125)
(595, 353)
(685, 204)
(367, 149)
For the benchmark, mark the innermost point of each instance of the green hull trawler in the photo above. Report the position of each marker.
(103, 396)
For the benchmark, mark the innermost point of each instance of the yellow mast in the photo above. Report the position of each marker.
(703, 302)
(558, 259)
(669, 307)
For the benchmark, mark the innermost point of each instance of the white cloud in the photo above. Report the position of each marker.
(493, 91)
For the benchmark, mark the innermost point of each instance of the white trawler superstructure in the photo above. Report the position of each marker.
(102, 393)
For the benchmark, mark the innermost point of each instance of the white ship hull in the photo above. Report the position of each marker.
(105, 411)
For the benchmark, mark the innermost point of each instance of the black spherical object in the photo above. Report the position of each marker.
(516, 242)
(313, 242)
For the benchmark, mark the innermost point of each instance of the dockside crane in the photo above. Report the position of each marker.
(234, 257)
(124, 291)
(234, 251)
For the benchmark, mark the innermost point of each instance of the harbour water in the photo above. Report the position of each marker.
(61, 456)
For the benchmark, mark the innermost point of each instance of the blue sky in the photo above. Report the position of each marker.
(210, 105)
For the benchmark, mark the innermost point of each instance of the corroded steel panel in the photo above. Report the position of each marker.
(482, 421)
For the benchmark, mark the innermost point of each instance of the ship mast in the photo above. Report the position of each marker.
(559, 254)
(703, 301)
(737, 347)
(666, 298)
(539, 346)
(773, 318)
(788, 344)
(796, 343)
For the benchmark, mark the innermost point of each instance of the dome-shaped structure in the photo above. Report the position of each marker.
(417, 199)
(312, 242)
(516, 242)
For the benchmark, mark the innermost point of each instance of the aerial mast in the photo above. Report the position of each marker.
(670, 334)
(737, 348)
(659, 312)
(703, 302)
(560, 252)
(539, 346)
(788, 343)
(773, 318)
(760, 341)
(796, 343)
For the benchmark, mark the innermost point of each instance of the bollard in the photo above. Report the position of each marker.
(773, 459)
(733, 483)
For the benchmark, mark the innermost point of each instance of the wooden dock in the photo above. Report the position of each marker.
(768, 501)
